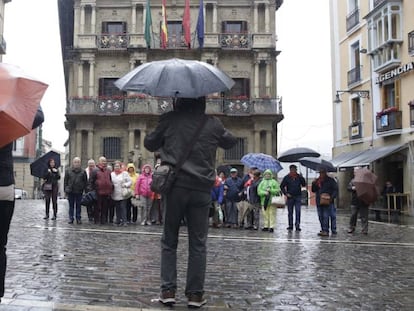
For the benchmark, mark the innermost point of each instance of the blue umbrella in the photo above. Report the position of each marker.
(262, 162)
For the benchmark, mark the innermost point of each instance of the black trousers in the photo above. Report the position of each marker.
(6, 214)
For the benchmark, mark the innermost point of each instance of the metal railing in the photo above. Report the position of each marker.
(354, 75)
(352, 19)
(156, 106)
(411, 42)
(389, 121)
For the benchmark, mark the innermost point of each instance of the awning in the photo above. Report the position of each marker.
(371, 155)
(345, 156)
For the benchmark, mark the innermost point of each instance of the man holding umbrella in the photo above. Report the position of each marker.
(291, 187)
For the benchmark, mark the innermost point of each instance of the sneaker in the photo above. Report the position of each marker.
(196, 301)
(351, 230)
(53, 218)
(323, 233)
(70, 222)
(143, 223)
(46, 217)
(78, 221)
(298, 229)
(167, 297)
(271, 230)
(289, 228)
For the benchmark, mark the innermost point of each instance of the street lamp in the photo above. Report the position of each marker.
(360, 93)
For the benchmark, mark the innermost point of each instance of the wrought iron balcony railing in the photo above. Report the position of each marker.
(235, 40)
(113, 41)
(354, 75)
(352, 19)
(156, 106)
(411, 43)
(389, 121)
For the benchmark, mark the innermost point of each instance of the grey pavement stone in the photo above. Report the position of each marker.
(56, 266)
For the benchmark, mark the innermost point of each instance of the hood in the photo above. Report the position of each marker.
(268, 172)
(131, 165)
(144, 166)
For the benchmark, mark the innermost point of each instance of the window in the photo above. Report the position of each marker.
(234, 27)
(175, 34)
(237, 151)
(241, 88)
(112, 148)
(356, 110)
(391, 95)
(108, 89)
(411, 43)
(114, 27)
(352, 18)
(385, 35)
(354, 75)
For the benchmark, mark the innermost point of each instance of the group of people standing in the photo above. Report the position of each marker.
(119, 192)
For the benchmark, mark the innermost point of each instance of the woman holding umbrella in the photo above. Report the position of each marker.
(51, 188)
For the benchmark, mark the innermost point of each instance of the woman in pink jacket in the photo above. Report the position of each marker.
(144, 194)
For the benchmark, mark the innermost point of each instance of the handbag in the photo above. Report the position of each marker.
(325, 199)
(89, 198)
(47, 187)
(163, 177)
(126, 193)
(278, 201)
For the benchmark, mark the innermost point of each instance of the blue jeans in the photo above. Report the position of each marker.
(194, 206)
(121, 212)
(296, 203)
(332, 217)
(75, 204)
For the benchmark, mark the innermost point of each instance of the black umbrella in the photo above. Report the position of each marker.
(40, 166)
(317, 164)
(294, 154)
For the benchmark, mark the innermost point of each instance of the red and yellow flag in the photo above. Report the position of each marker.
(164, 29)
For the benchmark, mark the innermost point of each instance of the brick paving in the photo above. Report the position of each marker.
(57, 266)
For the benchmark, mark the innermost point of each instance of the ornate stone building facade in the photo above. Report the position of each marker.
(102, 40)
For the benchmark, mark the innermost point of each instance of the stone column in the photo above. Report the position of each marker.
(90, 144)
(131, 139)
(267, 27)
(91, 78)
(214, 17)
(256, 141)
(78, 151)
(76, 27)
(255, 18)
(142, 149)
(268, 70)
(269, 142)
(80, 78)
(256, 78)
(134, 18)
(82, 19)
(144, 14)
(93, 19)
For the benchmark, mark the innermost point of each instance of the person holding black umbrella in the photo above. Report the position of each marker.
(50, 188)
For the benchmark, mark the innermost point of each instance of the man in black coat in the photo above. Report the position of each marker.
(190, 196)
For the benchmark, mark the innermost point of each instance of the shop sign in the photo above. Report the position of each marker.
(395, 72)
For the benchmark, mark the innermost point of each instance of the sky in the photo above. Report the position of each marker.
(304, 74)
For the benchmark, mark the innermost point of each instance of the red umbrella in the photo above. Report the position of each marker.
(366, 186)
(20, 97)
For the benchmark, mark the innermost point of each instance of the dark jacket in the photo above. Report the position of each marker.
(253, 196)
(75, 180)
(328, 185)
(6, 165)
(234, 187)
(171, 138)
(354, 197)
(293, 186)
(52, 177)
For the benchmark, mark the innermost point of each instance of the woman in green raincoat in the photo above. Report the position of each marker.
(267, 189)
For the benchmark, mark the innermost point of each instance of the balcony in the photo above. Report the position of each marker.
(389, 121)
(352, 19)
(2, 45)
(354, 76)
(235, 41)
(112, 41)
(411, 43)
(411, 104)
(355, 130)
(378, 2)
(157, 106)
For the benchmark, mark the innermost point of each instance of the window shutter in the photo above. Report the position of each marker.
(397, 85)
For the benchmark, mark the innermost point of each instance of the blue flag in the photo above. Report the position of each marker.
(200, 25)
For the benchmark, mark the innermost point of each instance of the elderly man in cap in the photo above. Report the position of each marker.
(232, 192)
(291, 187)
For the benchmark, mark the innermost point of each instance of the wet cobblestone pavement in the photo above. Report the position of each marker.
(53, 265)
